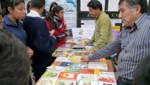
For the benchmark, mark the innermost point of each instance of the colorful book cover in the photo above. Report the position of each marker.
(55, 68)
(75, 58)
(68, 75)
(62, 59)
(75, 67)
(62, 52)
(58, 63)
(98, 65)
(107, 77)
(65, 82)
(90, 71)
(88, 82)
(51, 74)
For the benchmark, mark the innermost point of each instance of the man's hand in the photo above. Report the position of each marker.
(89, 52)
(85, 59)
(29, 51)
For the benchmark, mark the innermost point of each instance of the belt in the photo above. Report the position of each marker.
(125, 80)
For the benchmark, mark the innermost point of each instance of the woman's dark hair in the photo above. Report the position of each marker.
(52, 5)
(12, 4)
(14, 61)
(50, 19)
(57, 9)
(28, 6)
(95, 4)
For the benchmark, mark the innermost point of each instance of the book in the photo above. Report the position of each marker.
(87, 77)
(75, 58)
(55, 68)
(65, 82)
(68, 75)
(62, 59)
(61, 52)
(75, 67)
(46, 81)
(63, 64)
(90, 71)
(98, 65)
(107, 77)
(51, 74)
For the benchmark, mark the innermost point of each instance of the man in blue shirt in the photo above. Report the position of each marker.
(133, 44)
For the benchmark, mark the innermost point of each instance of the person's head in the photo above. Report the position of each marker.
(58, 11)
(94, 7)
(52, 6)
(28, 6)
(38, 5)
(142, 72)
(14, 61)
(15, 8)
(130, 10)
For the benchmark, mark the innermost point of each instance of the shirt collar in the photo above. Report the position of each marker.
(9, 21)
(137, 23)
(33, 13)
(99, 14)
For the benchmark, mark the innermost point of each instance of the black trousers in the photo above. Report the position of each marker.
(38, 73)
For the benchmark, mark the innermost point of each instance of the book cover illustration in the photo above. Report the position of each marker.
(90, 71)
(55, 68)
(107, 77)
(88, 82)
(62, 52)
(75, 67)
(51, 74)
(62, 59)
(98, 65)
(68, 75)
(63, 64)
(65, 82)
(75, 58)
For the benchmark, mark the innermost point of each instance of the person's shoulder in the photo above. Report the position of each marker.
(34, 19)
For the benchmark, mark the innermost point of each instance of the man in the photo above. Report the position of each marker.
(103, 31)
(14, 61)
(38, 38)
(1, 19)
(133, 44)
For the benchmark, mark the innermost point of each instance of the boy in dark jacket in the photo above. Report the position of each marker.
(38, 38)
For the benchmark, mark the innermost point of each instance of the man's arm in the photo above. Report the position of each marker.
(114, 47)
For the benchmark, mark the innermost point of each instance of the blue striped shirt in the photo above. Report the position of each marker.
(132, 45)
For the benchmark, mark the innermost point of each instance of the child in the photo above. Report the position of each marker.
(38, 38)
(56, 26)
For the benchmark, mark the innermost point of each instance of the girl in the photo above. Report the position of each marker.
(56, 26)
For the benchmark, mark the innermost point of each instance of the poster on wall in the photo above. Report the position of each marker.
(83, 4)
(70, 13)
(113, 5)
